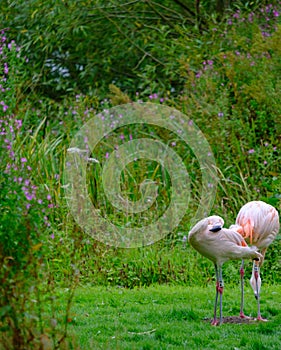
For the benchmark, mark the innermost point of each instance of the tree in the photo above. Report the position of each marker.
(84, 45)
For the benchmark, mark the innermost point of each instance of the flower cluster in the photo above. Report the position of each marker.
(267, 17)
(20, 193)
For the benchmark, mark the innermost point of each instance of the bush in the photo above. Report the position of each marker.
(27, 290)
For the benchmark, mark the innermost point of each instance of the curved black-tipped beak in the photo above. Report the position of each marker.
(216, 228)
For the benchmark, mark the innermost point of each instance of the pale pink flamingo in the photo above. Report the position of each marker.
(258, 224)
(219, 245)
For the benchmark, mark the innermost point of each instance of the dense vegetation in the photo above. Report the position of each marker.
(62, 62)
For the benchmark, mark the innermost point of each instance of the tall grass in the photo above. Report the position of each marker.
(27, 285)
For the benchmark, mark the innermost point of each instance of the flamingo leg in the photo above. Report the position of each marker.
(242, 273)
(215, 321)
(256, 275)
(256, 285)
(219, 290)
(257, 294)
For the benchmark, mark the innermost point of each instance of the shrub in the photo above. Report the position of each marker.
(27, 293)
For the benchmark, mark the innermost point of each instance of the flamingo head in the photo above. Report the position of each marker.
(215, 223)
(255, 280)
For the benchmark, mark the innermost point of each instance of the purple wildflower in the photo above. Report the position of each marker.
(28, 196)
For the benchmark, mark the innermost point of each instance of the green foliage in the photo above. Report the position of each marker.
(223, 72)
(21, 218)
(68, 50)
(27, 288)
(234, 94)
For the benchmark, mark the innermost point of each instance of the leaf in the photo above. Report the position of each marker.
(9, 258)
(34, 13)
(4, 310)
(37, 246)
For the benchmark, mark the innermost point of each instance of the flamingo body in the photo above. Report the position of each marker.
(258, 223)
(219, 245)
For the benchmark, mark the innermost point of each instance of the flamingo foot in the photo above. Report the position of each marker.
(215, 322)
(259, 318)
(242, 315)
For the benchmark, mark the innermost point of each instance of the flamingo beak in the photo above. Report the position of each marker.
(216, 228)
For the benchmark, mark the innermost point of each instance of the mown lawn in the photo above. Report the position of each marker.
(171, 317)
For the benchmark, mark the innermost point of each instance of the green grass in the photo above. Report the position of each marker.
(171, 317)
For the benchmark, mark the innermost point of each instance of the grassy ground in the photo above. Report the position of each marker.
(171, 317)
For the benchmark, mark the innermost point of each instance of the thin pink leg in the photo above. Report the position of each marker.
(256, 274)
(219, 291)
(242, 273)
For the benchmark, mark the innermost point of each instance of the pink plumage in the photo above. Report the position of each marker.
(258, 223)
(219, 244)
